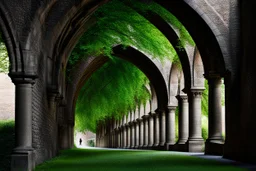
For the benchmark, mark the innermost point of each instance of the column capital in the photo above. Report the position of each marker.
(158, 111)
(151, 114)
(212, 75)
(154, 115)
(170, 108)
(134, 122)
(131, 123)
(197, 91)
(214, 79)
(139, 120)
(182, 97)
(145, 117)
(22, 80)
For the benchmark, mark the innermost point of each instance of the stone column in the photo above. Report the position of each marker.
(102, 136)
(99, 137)
(54, 100)
(119, 138)
(183, 120)
(170, 127)
(128, 127)
(132, 135)
(214, 143)
(137, 133)
(128, 134)
(162, 127)
(115, 138)
(195, 141)
(23, 154)
(156, 129)
(141, 132)
(124, 136)
(146, 137)
(151, 134)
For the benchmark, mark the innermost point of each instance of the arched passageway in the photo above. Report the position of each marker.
(41, 36)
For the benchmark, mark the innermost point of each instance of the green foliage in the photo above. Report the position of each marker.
(184, 36)
(204, 127)
(111, 91)
(4, 61)
(7, 142)
(223, 94)
(177, 124)
(91, 143)
(118, 22)
(205, 102)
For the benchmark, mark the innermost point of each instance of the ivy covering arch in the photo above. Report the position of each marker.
(114, 89)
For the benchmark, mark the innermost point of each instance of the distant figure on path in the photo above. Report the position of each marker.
(80, 141)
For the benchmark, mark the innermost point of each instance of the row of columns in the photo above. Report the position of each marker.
(156, 130)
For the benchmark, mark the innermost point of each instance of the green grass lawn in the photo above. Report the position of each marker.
(97, 160)
(7, 140)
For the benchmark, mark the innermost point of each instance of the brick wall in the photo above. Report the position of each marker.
(43, 121)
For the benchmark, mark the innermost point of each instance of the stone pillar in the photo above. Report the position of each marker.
(137, 133)
(128, 134)
(183, 121)
(119, 138)
(132, 135)
(115, 138)
(124, 136)
(162, 127)
(151, 134)
(156, 129)
(53, 100)
(71, 125)
(214, 143)
(22, 157)
(195, 141)
(146, 137)
(141, 132)
(170, 127)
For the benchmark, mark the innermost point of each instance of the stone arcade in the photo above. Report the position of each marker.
(40, 36)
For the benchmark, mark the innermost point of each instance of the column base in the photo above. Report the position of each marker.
(155, 146)
(23, 160)
(195, 145)
(161, 148)
(169, 146)
(181, 147)
(150, 147)
(214, 147)
(144, 147)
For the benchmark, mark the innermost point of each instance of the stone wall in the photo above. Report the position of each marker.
(43, 121)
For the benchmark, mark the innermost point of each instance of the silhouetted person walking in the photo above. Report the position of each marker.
(80, 141)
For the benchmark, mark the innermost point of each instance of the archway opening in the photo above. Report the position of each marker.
(7, 108)
(126, 34)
